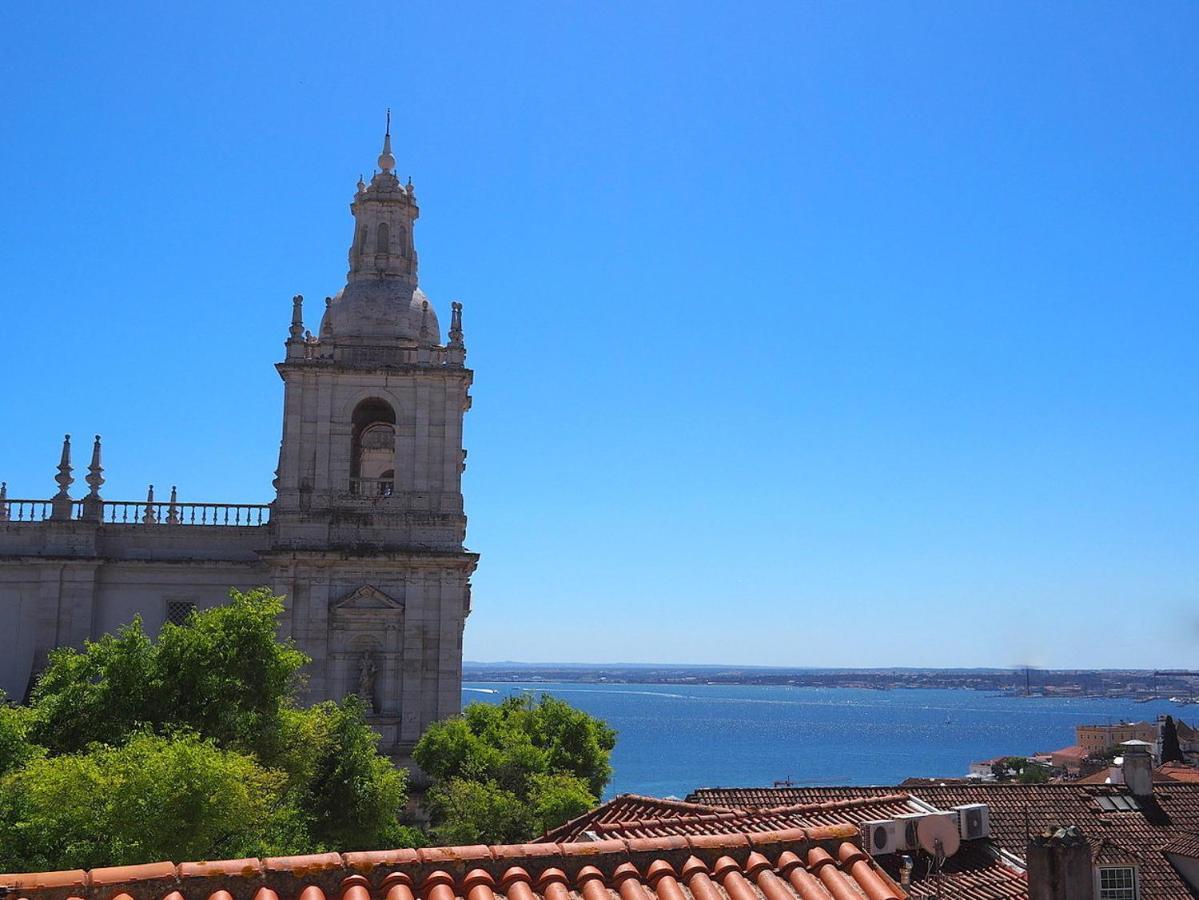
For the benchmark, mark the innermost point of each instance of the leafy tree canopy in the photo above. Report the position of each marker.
(507, 772)
(191, 746)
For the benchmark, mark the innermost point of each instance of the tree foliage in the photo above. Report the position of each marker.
(507, 772)
(190, 746)
(1024, 770)
(150, 798)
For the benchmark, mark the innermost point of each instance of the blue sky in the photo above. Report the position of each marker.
(804, 334)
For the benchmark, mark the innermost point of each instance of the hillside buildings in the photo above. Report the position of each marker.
(364, 535)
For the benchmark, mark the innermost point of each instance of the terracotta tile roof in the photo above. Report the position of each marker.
(1184, 845)
(1178, 772)
(1111, 818)
(975, 875)
(1161, 775)
(812, 864)
(631, 815)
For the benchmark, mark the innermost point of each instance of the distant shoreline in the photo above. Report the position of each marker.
(1130, 684)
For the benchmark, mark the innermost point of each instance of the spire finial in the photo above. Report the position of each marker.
(455, 324)
(150, 517)
(61, 504)
(93, 505)
(387, 162)
(95, 472)
(296, 332)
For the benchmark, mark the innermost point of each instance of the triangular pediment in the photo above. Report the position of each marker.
(366, 597)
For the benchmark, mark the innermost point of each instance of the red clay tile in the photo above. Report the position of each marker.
(397, 886)
(306, 866)
(628, 882)
(456, 858)
(833, 833)
(818, 857)
(515, 876)
(695, 874)
(126, 874)
(771, 885)
(656, 844)
(479, 885)
(312, 892)
(232, 868)
(355, 887)
(525, 851)
(591, 848)
(365, 861)
(661, 876)
(437, 885)
(39, 881)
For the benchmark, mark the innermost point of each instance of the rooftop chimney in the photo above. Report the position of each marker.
(1059, 865)
(1138, 767)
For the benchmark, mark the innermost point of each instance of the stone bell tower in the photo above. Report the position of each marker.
(368, 522)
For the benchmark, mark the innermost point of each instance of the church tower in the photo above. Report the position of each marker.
(368, 524)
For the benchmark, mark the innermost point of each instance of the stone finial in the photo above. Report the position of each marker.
(361, 184)
(296, 332)
(326, 329)
(93, 505)
(425, 334)
(95, 472)
(455, 324)
(149, 518)
(60, 505)
(387, 162)
(3, 501)
(173, 509)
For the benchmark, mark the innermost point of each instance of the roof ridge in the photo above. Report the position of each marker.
(830, 805)
(419, 863)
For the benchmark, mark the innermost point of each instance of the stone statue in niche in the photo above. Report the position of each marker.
(367, 672)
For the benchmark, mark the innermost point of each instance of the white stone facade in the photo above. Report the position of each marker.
(364, 537)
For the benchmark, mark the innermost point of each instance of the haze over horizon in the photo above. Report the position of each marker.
(816, 336)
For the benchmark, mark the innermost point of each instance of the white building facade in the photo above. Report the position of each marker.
(365, 536)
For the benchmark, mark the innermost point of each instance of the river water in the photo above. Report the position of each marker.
(672, 738)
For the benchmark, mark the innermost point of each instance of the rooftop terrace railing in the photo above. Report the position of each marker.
(140, 512)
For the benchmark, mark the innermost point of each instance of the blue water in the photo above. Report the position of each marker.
(672, 739)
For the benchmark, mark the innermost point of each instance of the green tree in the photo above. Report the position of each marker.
(1171, 751)
(152, 798)
(1033, 774)
(224, 673)
(16, 749)
(507, 772)
(225, 686)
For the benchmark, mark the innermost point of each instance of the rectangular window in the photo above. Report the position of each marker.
(178, 611)
(1117, 883)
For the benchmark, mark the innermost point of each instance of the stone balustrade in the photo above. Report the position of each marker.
(140, 512)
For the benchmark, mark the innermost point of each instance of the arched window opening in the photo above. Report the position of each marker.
(372, 459)
(360, 241)
(383, 239)
(402, 239)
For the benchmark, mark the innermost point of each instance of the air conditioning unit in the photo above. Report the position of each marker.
(905, 831)
(906, 837)
(879, 837)
(974, 821)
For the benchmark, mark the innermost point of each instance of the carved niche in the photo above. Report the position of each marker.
(367, 648)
